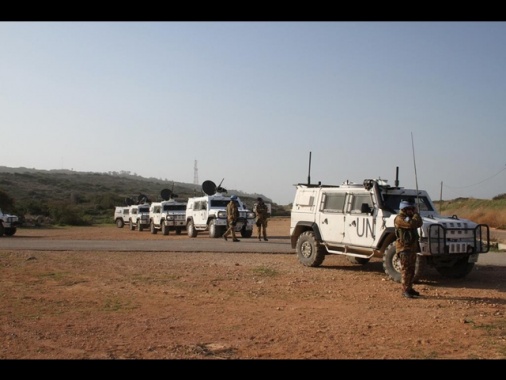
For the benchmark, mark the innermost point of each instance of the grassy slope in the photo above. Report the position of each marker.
(97, 194)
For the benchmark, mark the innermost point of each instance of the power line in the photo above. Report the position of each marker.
(478, 183)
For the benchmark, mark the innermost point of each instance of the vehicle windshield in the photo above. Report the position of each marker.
(174, 208)
(216, 203)
(392, 202)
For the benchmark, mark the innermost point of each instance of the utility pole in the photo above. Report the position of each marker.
(195, 174)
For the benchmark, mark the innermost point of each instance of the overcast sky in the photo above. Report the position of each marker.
(246, 102)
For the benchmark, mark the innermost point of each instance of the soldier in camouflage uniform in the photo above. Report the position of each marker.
(406, 246)
(262, 212)
(232, 216)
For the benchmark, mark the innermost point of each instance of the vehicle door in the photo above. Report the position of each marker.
(200, 212)
(359, 228)
(331, 216)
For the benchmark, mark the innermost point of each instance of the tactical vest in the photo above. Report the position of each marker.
(407, 235)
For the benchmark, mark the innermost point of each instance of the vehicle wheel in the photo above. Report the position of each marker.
(178, 231)
(309, 252)
(214, 231)
(457, 269)
(246, 233)
(152, 228)
(165, 228)
(357, 260)
(9, 231)
(132, 225)
(392, 264)
(120, 223)
(2, 230)
(190, 227)
(139, 226)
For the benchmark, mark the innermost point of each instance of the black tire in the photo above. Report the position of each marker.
(246, 233)
(139, 226)
(152, 228)
(459, 269)
(165, 228)
(10, 231)
(2, 230)
(190, 228)
(120, 223)
(131, 225)
(309, 252)
(392, 264)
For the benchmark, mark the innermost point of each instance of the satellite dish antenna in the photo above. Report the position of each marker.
(142, 199)
(209, 187)
(220, 189)
(172, 196)
(166, 194)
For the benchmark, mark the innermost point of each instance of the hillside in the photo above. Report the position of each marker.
(82, 198)
(88, 198)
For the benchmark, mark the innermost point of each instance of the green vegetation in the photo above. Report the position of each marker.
(65, 197)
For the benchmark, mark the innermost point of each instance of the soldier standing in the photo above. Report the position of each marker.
(406, 229)
(232, 216)
(262, 212)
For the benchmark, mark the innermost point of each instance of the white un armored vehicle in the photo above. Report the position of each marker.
(167, 215)
(139, 213)
(8, 224)
(121, 216)
(209, 213)
(357, 220)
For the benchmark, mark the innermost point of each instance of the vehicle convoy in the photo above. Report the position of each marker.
(123, 214)
(357, 220)
(167, 215)
(8, 224)
(209, 213)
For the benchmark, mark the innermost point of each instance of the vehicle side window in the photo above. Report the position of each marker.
(361, 204)
(333, 202)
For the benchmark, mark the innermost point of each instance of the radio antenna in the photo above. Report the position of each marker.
(414, 163)
(309, 171)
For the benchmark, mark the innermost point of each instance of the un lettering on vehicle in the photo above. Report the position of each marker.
(359, 230)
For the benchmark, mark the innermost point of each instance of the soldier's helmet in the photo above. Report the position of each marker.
(259, 199)
(233, 197)
(405, 204)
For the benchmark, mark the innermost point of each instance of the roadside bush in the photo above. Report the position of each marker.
(66, 214)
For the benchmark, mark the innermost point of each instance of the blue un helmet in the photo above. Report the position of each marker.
(233, 197)
(405, 204)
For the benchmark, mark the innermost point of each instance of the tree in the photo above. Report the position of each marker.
(6, 202)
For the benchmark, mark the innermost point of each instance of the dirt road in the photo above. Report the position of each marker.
(221, 304)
